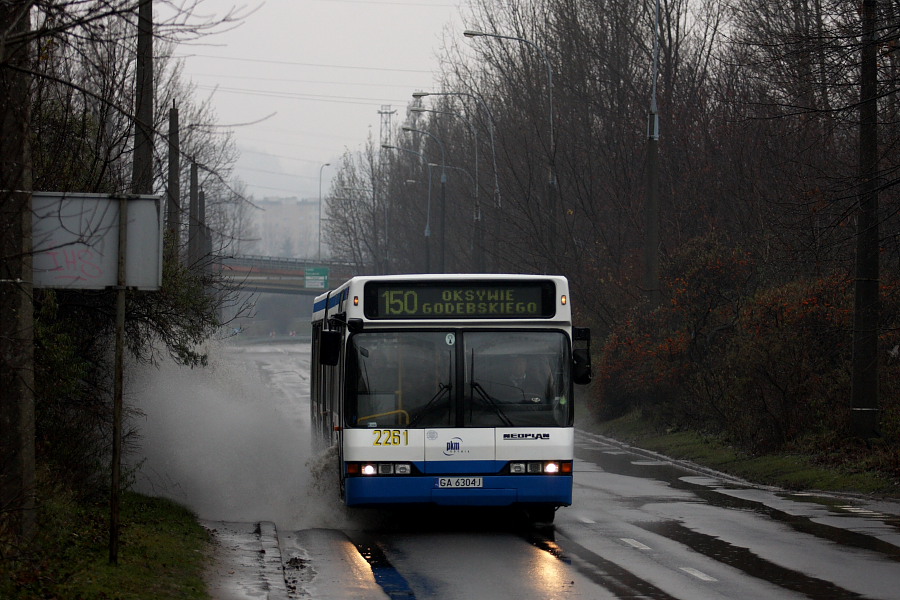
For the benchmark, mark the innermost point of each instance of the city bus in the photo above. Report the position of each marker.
(453, 390)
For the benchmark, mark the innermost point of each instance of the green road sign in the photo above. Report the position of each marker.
(316, 278)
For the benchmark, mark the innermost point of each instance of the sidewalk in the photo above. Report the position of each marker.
(247, 562)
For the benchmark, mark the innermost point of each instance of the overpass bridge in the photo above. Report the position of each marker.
(270, 275)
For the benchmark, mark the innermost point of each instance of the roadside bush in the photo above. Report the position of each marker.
(638, 369)
(789, 365)
(652, 360)
(769, 368)
(889, 372)
(72, 391)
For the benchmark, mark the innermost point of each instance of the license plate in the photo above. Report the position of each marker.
(460, 482)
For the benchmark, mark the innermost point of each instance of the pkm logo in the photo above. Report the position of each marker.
(454, 446)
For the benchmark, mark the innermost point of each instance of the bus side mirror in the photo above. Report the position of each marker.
(581, 366)
(330, 347)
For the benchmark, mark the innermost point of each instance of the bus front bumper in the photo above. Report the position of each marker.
(425, 489)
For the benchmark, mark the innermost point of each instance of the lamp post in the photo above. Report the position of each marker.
(471, 34)
(443, 260)
(651, 211)
(460, 169)
(417, 109)
(319, 236)
(427, 205)
(551, 179)
(484, 106)
(476, 214)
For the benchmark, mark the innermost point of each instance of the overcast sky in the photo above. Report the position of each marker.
(322, 69)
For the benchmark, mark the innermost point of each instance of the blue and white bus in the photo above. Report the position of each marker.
(449, 389)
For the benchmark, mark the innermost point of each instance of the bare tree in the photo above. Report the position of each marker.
(17, 450)
(354, 229)
(65, 73)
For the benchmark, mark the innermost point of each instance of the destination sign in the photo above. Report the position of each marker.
(460, 300)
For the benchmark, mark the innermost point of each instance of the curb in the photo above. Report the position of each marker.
(272, 564)
(684, 464)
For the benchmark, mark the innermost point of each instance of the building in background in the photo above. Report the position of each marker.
(286, 228)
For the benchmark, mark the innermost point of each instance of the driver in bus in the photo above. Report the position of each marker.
(523, 382)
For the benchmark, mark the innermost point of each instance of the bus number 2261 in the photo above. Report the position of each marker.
(390, 437)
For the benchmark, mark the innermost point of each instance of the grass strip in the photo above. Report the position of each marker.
(162, 552)
(792, 471)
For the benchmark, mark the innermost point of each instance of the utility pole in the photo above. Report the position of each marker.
(193, 250)
(142, 165)
(443, 218)
(173, 191)
(479, 239)
(17, 444)
(866, 302)
(141, 183)
(204, 252)
(651, 207)
(385, 135)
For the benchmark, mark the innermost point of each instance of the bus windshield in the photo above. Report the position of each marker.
(458, 378)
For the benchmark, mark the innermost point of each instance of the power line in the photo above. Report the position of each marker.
(296, 191)
(270, 141)
(279, 173)
(404, 86)
(310, 97)
(281, 131)
(389, 2)
(302, 64)
(278, 156)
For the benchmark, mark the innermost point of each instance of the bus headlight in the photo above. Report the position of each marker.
(369, 469)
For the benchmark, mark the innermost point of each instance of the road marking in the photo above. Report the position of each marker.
(861, 511)
(698, 574)
(635, 544)
(585, 519)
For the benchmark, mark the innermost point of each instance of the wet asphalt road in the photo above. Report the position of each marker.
(640, 526)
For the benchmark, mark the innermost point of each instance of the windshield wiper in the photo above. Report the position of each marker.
(491, 402)
(422, 412)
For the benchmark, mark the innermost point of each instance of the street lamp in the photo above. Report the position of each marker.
(551, 182)
(443, 261)
(460, 169)
(484, 106)
(471, 34)
(319, 236)
(427, 205)
(476, 215)
(418, 109)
